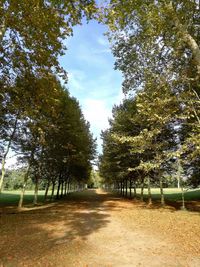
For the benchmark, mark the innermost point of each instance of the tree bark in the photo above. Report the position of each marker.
(130, 187)
(178, 182)
(135, 192)
(149, 190)
(62, 188)
(126, 184)
(183, 198)
(65, 188)
(142, 190)
(53, 189)
(162, 199)
(46, 191)
(118, 187)
(2, 31)
(58, 189)
(20, 203)
(186, 37)
(68, 187)
(36, 191)
(3, 170)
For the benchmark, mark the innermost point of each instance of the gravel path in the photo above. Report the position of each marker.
(94, 228)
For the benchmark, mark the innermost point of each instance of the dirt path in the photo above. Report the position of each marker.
(94, 228)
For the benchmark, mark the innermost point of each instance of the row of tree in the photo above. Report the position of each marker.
(39, 121)
(155, 132)
(45, 127)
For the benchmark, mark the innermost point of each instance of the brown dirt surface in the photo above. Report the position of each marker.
(98, 229)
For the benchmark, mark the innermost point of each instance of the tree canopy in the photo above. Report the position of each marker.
(156, 46)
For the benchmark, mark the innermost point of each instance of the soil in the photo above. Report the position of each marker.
(99, 229)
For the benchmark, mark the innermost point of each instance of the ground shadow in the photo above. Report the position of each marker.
(173, 202)
(33, 233)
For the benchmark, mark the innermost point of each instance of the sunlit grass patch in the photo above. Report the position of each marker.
(12, 197)
(172, 194)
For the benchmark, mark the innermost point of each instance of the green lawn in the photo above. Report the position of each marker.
(12, 197)
(172, 194)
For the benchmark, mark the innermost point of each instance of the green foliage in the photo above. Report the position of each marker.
(51, 136)
(14, 180)
(38, 118)
(32, 33)
(156, 46)
(94, 181)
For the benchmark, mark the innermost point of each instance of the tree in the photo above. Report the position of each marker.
(164, 70)
(58, 140)
(31, 33)
(31, 40)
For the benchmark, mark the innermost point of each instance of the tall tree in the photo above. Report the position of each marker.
(31, 33)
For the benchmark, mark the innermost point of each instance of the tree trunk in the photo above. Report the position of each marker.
(149, 190)
(178, 182)
(162, 200)
(192, 44)
(68, 187)
(3, 170)
(183, 198)
(135, 192)
(46, 191)
(2, 173)
(130, 188)
(62, 188)
(121, 188)
(53, 189)
(2, 31)
(186, 37)
(65, 188)
(36, 191)
(126, 184)
(142, 190)
(58, 189)
(178, 172)
(20, 203)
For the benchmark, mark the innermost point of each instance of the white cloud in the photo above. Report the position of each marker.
(101, 51)
(97, 113)
(76, 78)
(103, 41)
(97, 95)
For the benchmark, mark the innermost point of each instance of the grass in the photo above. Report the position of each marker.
(172, 194)
(12, 197)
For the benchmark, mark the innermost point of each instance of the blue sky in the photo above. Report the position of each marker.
(92, 78)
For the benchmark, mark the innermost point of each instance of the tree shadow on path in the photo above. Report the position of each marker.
(30, 234)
